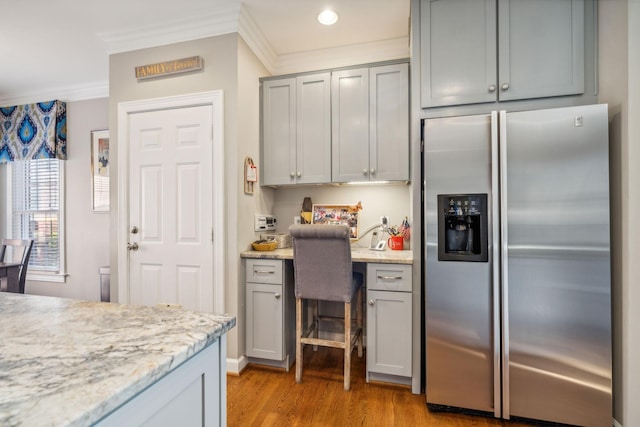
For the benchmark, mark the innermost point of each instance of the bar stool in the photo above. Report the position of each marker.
(323, 271)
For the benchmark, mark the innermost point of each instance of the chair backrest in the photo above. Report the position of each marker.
(20, 253)
(322, 262)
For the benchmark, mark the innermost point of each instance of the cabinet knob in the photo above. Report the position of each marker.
(505, 86)
(371, 302)
(373, 171)
(293, 175)
(299, 174)
(364, 171)
(492, 88)
(277, 295)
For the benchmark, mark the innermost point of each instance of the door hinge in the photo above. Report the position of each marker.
(212, 234)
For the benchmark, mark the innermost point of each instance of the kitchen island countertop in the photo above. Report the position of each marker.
(68, 362)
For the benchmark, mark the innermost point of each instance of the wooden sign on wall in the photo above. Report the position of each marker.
(176, 66)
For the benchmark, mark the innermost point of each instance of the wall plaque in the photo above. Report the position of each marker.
(176, 66)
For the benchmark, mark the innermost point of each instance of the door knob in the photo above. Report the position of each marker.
(132, 246)
(134, 230)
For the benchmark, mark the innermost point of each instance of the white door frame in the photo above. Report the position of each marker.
(215, 99)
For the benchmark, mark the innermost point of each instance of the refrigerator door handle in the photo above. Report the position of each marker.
(495, 266)
(504, 273)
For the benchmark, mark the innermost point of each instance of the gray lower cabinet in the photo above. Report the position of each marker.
(474, 51)
(270, 313)
(389, 322)
(296, 130)
(370, 124)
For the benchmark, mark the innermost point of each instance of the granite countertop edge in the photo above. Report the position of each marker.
(357, 255)
(71, 362)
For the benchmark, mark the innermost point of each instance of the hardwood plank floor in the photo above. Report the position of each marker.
(263, 396)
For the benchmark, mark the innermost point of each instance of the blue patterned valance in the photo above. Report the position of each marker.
(33, 131)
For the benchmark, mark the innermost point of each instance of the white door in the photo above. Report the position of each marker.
(171, 208)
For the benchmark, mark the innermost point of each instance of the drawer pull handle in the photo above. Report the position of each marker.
(263, 272)
(390, 277)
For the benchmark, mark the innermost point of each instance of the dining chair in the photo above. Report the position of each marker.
(323, 271)
(20, 251)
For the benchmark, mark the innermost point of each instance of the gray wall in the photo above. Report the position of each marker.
(228, 66)
(619, 68)
(86, 233)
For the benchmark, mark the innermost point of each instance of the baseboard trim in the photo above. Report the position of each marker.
(235, 366)
(616, 423)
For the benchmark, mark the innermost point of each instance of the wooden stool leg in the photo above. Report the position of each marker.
(359, 321)
(347, 346)
(298, 340)
(316, 319)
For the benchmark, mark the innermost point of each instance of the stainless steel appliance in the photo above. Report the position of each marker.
(518, 301)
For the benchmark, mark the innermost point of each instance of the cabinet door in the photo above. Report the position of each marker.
(265, 327)
(541, 48)
(389, 123)
(350, 125)
(313, 119)
(458, 52)
(389, 332)
(278, 132)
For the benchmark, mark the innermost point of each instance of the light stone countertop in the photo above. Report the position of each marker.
(357, 255)
(68, 362)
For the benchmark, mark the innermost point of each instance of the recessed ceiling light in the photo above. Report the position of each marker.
(327, 17)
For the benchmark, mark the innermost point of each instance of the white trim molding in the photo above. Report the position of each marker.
(223, 19)
(215, 99)
(235, 366)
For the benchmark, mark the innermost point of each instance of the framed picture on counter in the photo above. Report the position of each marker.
(337, 214)
(100, 170)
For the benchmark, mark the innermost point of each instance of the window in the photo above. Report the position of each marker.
(37, 213)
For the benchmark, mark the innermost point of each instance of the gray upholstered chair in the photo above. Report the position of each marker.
(20, 252)
(323, 271)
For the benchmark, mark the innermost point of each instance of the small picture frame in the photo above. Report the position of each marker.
(100, 170)
(338, 214)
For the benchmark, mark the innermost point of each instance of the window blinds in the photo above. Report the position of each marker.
(36, 210)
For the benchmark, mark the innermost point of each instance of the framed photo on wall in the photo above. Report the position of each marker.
(337, 214)
(100, 170)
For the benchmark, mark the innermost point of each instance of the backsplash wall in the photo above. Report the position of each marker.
(392, 200)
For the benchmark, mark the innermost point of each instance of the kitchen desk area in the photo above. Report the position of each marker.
(392, 324)
(74, 363)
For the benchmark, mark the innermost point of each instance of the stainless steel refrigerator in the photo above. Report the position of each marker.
(517, 285)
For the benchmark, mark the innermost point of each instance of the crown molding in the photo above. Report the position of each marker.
(221, 20)
(342, 56)
(67, 94)
(250, 32)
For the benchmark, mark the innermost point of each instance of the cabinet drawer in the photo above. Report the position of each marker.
(389, 277)
(264, 271)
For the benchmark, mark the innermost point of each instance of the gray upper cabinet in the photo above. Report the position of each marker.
(350, 125)
(296, 146)
(389, 123)
(540, 50)
(370, 124)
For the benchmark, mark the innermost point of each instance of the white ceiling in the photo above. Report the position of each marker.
(60, 49)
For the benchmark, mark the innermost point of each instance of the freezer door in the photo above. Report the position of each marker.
(555, 248)
(460, 324)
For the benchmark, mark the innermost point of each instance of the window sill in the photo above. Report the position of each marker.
(47, 277)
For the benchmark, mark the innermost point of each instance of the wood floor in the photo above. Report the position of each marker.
(263, 396)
